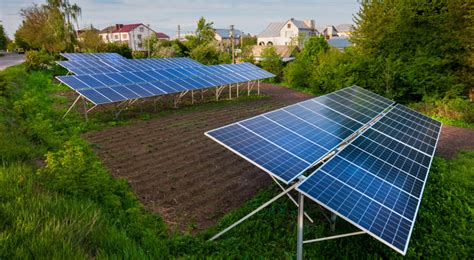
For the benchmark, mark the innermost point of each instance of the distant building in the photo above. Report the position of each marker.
(162, 36)
(132, 34)
(344, 30)
(286, 52)
(223, 35)
(287, 33)
(329, 31)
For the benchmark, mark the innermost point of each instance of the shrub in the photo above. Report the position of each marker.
(455, 109)
(36, 60)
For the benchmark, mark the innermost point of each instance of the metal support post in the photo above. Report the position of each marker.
(333, 222)
(258, 87)
(217, 93)
(192, 96)
(299, 242)
(230, 91)
(248, 88)
(85, 108)
(237, 93)
(254, 212)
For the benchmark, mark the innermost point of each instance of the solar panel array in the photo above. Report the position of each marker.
(375, 182)
(288, 141)
(92, 56)
(120, 86)
(94, 66)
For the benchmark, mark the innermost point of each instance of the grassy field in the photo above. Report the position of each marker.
(57, 200)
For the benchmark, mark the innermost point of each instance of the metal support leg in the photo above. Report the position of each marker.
(85, 108)
(248, 88)
(291, 198)
(230, 91)
(333, 222)
(254, 212)
(258, 87)
(192, 96)
(299, 242)
(237, 93)
(73, 104)
(217, 93)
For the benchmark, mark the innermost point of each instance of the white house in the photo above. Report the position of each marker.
(344, 30)
(287, 33)
(132, 34)
(329, 32)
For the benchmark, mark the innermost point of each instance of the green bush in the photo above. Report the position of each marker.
(458, 111)
(37, 60)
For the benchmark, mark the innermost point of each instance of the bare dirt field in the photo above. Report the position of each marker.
(192, 181)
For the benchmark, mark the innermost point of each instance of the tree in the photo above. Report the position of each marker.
(209, 54)
(90, 40)
(3, 38)
(298, 72)
(120, 48)
(49, 26)
(272, 62)
(204, 34)
(422, 46)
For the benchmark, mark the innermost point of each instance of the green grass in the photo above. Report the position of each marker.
(57, 200)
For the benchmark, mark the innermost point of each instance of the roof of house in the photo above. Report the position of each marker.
(121, 28)
(285, 51)
(161, 35)
(344, 27)
(273, 29)
(225, 33)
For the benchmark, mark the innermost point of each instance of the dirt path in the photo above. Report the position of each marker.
(192, 181)
(178, 172)
(454, 139)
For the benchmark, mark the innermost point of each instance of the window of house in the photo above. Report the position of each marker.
(289, 26)
(116, 37)
(140, 45)
(142, 29)
(139, 36)
(124, 36)
(107, 37)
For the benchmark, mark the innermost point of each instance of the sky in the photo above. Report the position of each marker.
(250, 16)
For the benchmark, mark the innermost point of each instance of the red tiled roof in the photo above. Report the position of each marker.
(161, 35)
(125, 27)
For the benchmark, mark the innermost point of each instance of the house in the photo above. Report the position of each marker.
(223, 35)
(286, 52)
(287, 33)
(344, 30)
(329, 32)
(133, 35)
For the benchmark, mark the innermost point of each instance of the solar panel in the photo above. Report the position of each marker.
(376, 182)
(91, 56)
(159, 82)
(288, 141)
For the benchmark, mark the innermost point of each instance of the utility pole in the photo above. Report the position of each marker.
(179, 32)
(233, 42)
(149, 40)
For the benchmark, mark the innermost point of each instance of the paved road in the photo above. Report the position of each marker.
(10, 59)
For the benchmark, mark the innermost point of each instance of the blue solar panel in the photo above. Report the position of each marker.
(72, 82)
(306, 132)
(377, 181)
(94, 96)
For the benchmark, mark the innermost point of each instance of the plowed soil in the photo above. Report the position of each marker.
(192, 181)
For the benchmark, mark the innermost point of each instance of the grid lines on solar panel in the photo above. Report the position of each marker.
(385, 172)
